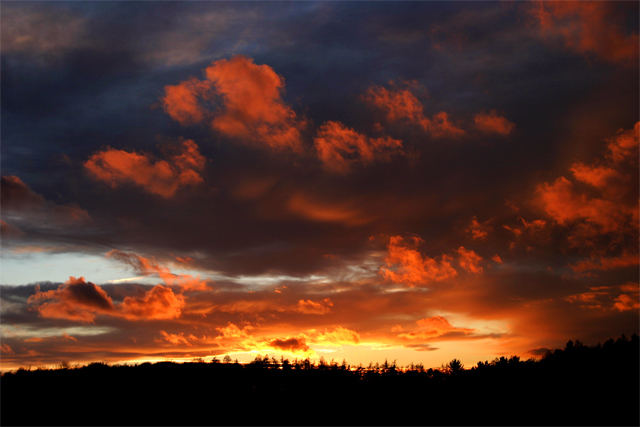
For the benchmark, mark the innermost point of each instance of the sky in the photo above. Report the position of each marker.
(368, 181)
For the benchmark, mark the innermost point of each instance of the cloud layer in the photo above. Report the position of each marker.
(318, 180)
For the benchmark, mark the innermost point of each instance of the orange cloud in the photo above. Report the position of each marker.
(587, 28)
(336, 336)
(182, 104)
(249, 100)
(232, 331)
(564, 203)
(624, 146)
(433, 327)
(160, 177)
(406, 265)
(469, 260)
(74, 300)
(598, 201)
(478, 231)
(625, 302)
(176, 339)
(312, 307)
(492, 122)
(339, 147)
(149, 266)
(402, 105)
(596, 176)
(253, 106)
(618, 298)
(159, 302)
(79, 300)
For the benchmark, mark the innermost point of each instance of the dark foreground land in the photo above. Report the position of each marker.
(579, 385)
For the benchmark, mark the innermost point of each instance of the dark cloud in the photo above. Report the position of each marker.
(290, 344)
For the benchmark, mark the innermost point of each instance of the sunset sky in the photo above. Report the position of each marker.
(360, 181)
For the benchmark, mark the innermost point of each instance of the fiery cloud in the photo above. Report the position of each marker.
(182, 104)
(79, 300)
(479, 231)
(160, 302)
(402, 105)
(314, 307)
(74, 300)
(430, 328)
(604, 208)
(340, 147)
(607, 298)
(160, 177)
(408, 266)
(588, 28)
(249, 103)
(469, 260)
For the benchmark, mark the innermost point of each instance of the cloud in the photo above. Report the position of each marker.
(181, 101)
(17, 195)
(249, 104)
(5, 349)
(232, 331)
(596, 176)
(150, 266)
(24, 208)
(8, 231)
(160, 302)
(478, 231)
(74, 300)
(290, 344)
(608, 298)
(606, 263)
(160, 177)
(82, 301)
(347, 213)
(340, 147)
(338, 335)
(469, 260)
(430, 328)
(41, 30)
(624, 145)
(492, 122)
(605, 206)
(587, 28)
(404, 264)
(308, 306)
(401, 105)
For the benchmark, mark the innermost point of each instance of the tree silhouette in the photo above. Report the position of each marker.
(602, 380)
(455, 366)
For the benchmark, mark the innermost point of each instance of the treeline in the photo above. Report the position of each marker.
(577, 385)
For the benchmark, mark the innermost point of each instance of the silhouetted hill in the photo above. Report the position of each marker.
(579, 385)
